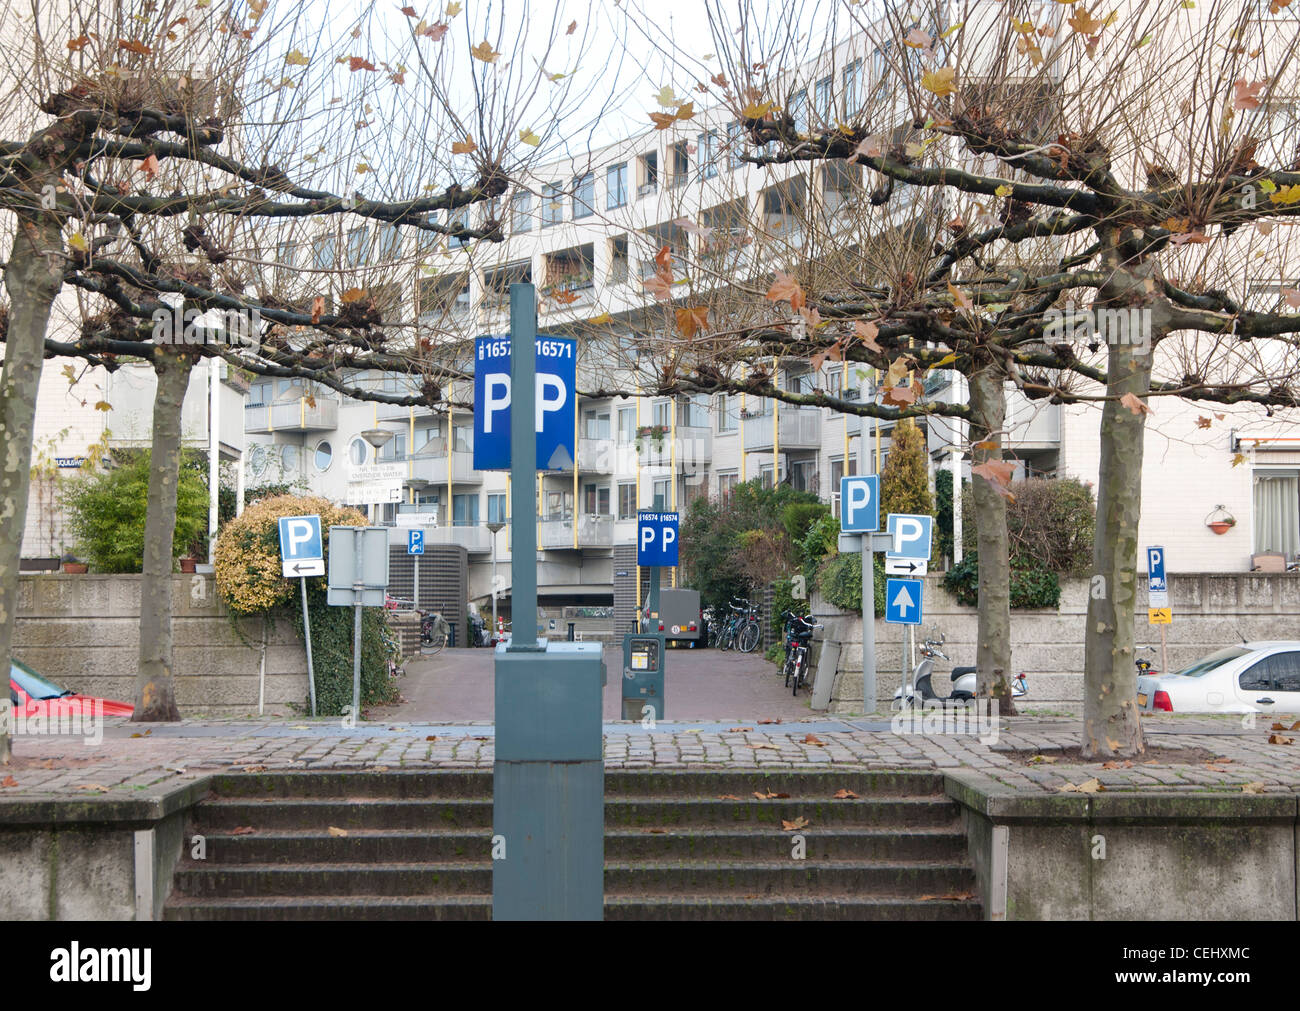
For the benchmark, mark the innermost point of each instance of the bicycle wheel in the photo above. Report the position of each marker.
(748, 637)
(435, 643)
(788, 669)
(797, 678)
(724, 638)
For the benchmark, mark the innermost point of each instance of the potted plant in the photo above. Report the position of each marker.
(73, 565)
(1220, 520)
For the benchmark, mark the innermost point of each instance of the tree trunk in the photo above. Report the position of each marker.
(33, 280)
(1111, 727)
(155, 687)
(993, 645)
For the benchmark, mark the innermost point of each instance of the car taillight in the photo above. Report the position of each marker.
(1162, 702)
(692, 626)
(661, 626)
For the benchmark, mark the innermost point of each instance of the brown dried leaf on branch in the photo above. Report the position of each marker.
(997, 473)
(1135, 404)
(785, 288)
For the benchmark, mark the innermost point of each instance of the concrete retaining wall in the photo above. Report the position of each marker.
(1211, 610)
(84, 633)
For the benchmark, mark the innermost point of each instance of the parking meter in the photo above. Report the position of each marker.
(643, 674)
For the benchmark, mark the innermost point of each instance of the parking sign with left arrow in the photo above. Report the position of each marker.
(300, 546)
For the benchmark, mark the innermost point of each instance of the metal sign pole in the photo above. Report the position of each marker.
(868, 627)
(306, 627)
(416, 590)
(358, 587)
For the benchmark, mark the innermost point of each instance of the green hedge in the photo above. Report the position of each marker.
(1032, 585)
(331, 649)
(840, 581)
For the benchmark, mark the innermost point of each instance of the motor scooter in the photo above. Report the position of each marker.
(919, 691)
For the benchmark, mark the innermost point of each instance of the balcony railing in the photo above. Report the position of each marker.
(430, 464)
(302, 414)
(557, 533)
(801, 428)
(694, 448)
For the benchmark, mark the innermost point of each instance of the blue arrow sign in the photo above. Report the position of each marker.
(415, 541)
(860, 504)
(556, 400)
(909, 535)
(903, 601)
(1156, 570)
(656, 539)
(300, 539)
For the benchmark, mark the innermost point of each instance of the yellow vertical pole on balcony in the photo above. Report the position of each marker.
(410, 462)
(451, 448)
(576, 414)
(875, 378)
(776, 426)
(844, 385)
(744, 406)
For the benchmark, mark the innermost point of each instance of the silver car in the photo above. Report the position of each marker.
(1252, 677)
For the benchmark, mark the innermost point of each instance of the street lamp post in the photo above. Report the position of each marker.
(378, 438)
(495, 527)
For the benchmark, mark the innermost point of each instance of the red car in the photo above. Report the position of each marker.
(33, 695)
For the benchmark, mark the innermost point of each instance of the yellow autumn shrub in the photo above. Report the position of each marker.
(249, 574)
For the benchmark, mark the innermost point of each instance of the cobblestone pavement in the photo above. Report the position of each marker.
(133, 759)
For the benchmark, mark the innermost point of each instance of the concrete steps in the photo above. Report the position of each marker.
(678, 846)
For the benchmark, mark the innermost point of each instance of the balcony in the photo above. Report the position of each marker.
(801, 428)
(1032, 424)
(694, 448)
(556, 533)
(477, 540)
(392, 412)
(430, 464)
(302, 414)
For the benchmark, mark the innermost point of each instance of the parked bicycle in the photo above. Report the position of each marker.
(740, 629)
(433, 631)
(798, 637)
(392, 652)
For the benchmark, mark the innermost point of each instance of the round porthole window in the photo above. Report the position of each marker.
(257, 461)
(357, 452)
(289, 457)
(324, 456)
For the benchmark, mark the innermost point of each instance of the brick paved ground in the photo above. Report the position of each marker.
(168, 754)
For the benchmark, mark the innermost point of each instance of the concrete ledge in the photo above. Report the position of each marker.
(127, 812)
(1115, 855)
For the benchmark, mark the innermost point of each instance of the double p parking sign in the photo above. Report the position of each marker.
(556, 403)
(656, 541)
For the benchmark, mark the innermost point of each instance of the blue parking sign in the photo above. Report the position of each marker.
(301, 551)
(860, 503)
(903, 601)
(1156, 569)
(556, 411)
(656, 539)
(415, 541)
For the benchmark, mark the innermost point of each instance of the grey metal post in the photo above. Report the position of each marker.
(868, 626)
(523, 466)
(358, 587)
(306, 627)
(494, 584)
(416, 590)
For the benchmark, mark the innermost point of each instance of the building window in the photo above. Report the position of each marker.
(552, 208)
(627, 424)
(663, 491)
(584, 196)
(735, 145)
(595, 424)
(728, 418)
(627, 500)
(521, 217)
(357, 242)
(616, 185)
(595, 499)
(727, 481)
(1277, 512)
(289, 457)
(661, 414)
(324, 456)
(464, 510)
(394, 449)
(647, 173)
(496, 508)
(803, 475)
(822, 106)
(323, 253)
(708, 154)
(389, 241)
(853, 88)
(799, 110)
(459, 218)
(358, 452)
(462, 438)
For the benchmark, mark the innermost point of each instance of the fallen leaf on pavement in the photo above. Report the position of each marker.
(800, 822)
(845, 795)
(955, 896)
(8, 781)
(299, 726)
(727, 796)
(814, 740)
(254, 768)
(1279, 739)
(243, 830)
(764, 796)
(773, 747)
(96, 787)
(1252, 787)
(482, 738)
(1126, 764)
(1278, 726)
(655, 831)
(1091, 786)
(338, 832)
(379, 768)
(1043, 759)
(432, 737)
(738, 730)
(763, 722)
